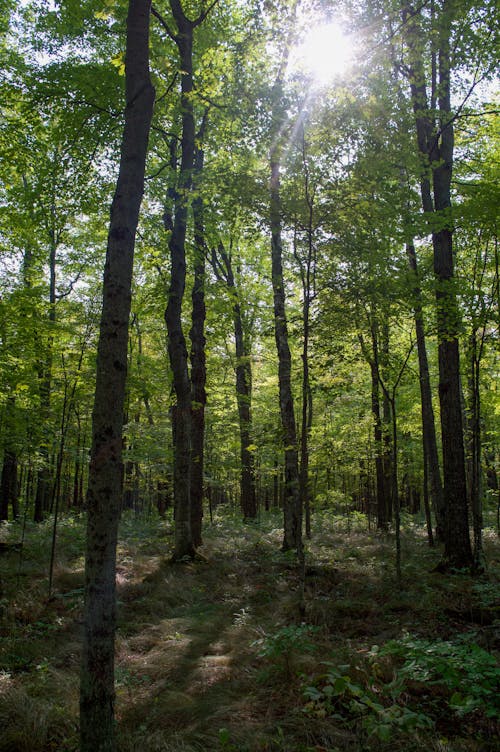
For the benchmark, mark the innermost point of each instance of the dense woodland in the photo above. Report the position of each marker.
(274, 358)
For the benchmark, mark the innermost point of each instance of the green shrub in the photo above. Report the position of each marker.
(469, 673)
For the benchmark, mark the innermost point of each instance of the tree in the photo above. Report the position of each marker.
(223, 267)
(177, 349)
(435, 140)
(104, 495)
(292, 503)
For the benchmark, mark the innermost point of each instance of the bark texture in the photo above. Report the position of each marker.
(177, 349)
(198, 357)
(427, 410)
(292, 501)
(106, 466)
(435, 139)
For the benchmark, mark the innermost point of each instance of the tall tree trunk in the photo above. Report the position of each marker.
(427, 411)
(292, 507)
(382, 519)
(97, 728)
(197, 336)
(223, 269)
(388, 454)
(435, 144)
(45, 483)
(307, 274)
(474, 436)
(177, 350)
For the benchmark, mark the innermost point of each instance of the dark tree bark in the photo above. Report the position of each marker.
(292, 503)
(381, 482)
(106, 466)
(427, 410)
(9, 488)
(435, 139)
(474, 442)
(9, 485)
(292, 507)
(197, 336)
(388, 454)
(177, 349)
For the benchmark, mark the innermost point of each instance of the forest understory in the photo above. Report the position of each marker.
(225, 654)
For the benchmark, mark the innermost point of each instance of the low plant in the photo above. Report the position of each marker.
(470, 674)
(282, 646)
(340, 697)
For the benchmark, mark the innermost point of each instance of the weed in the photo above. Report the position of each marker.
(282, 646)
(337, 695)
(469, 673)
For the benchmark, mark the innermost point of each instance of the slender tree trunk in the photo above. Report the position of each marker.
(382, 519)
(177, 349)
(428, 424)
(223, 269)
(9, 485)
(388, 454)
(97, 727)
(45, 483)
(307, 273)
(198, 357)
(475, 451)
(292, 507)
(395, 490)
(427, 506)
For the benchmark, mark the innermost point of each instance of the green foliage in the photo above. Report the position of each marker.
(470, 674)
(293, 638)
(337, 695)
(286, 644)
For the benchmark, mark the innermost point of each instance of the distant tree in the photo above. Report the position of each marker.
(222, 265)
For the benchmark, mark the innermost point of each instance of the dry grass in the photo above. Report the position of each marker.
(190, 670)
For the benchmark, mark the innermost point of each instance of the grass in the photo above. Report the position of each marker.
(217, 654)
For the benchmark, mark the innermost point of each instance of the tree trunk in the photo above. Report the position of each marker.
(106, 466)
(382, 520)
(223, 268)
(435, 145)
(198, 358)
(474, 435)
(177, 350)
(292, 507)
(427, 411)
(9, 485)
(307, 273)
(388, 454)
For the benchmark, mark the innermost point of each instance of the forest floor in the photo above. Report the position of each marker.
(224, 654)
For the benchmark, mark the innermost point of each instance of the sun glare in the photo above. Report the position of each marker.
(325, 53)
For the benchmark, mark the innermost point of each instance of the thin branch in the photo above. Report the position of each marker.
(165, 25)
(204, 14)
(73, 282)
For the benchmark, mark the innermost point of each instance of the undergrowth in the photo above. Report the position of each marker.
(220, 654)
